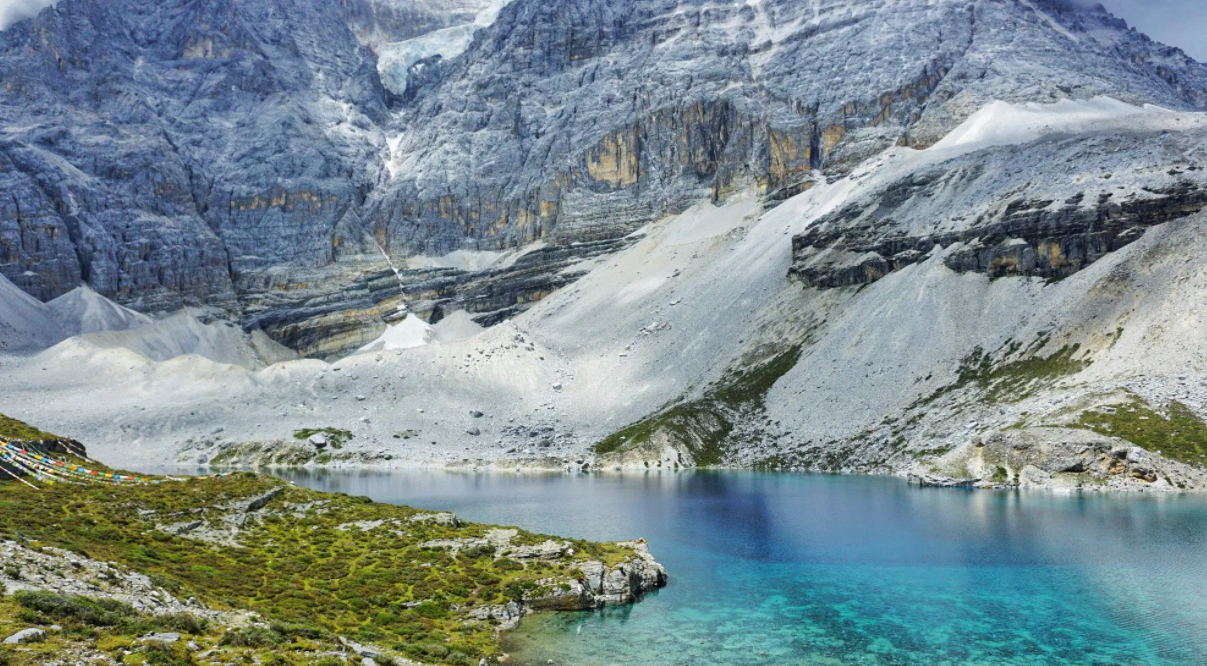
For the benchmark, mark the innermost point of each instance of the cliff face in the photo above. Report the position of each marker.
(160, 153)
(990, 213)
(246, 155)
(588, 118)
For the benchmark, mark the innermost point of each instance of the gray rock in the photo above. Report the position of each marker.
(167, 162)
(445, 518)
(179, 529)
(366, 651)
(257, 503)
(26, 636)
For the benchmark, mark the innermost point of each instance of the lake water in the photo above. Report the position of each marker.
(798, 569)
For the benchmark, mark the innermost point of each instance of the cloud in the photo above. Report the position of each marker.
(12, 11)
(1177, 23)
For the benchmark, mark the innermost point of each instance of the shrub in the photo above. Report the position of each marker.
(432, 610)
(300, 630)
(183, 623)
(157, 654)
(434, 650)
(505, 564)
(252, 637)
(92, 612)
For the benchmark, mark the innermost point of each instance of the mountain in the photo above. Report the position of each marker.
(952, 240)
(247, 156)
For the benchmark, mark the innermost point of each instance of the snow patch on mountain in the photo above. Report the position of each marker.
(1002, 123)
(395, 59)
(465, 260)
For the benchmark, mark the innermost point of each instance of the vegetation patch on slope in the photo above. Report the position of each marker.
(998, 378)
(334, 437)
(1176, 432)
(11, 428)
(703, 426)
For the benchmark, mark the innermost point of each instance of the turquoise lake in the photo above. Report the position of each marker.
(804, 569)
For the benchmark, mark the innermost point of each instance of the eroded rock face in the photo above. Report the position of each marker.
(577, 119)
(330, 312)
(1113, 189)
(178, 149)
(1058, 459)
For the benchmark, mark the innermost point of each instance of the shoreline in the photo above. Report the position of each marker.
(1072, 483)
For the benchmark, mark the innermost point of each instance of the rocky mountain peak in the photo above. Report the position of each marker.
(246, 154)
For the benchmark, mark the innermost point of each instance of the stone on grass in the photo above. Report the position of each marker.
(26, 636)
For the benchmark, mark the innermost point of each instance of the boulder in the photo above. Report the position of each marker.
(26, 636)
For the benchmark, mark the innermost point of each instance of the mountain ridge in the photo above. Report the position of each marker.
(997, 253)
(249, 158)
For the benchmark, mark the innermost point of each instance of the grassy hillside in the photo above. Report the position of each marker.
(313, 567)
(11, 428)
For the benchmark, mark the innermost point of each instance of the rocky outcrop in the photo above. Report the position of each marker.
(64, 572)
(328, 313)
(626, 582)
(1058, 459)
(26, 636)
(595, 585)
(599, 585)
(1044, 229)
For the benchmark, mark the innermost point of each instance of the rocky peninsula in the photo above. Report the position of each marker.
(244, 568)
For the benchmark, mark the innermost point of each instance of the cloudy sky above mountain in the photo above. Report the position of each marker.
(15, 10)
(1182, 23)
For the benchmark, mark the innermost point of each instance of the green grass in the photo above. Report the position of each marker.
(699, 425)
(704, 425)
(11, 428)
(1177, 432)
(294, 566)
(1001, 380)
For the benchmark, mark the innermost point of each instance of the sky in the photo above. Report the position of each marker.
(1181, 23)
